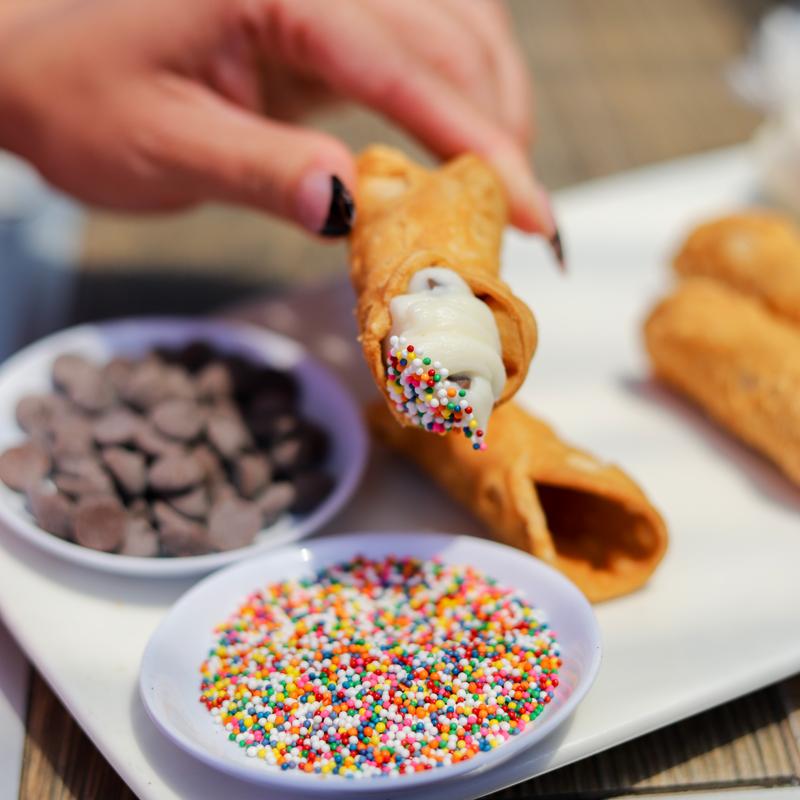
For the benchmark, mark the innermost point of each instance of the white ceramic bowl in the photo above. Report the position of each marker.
(324, 400)
(170, 679)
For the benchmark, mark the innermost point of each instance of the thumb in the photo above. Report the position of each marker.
(222, 152)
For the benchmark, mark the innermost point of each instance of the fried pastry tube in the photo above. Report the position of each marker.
(410, 218)
(736, 360)
(757, 253)
(537, 493)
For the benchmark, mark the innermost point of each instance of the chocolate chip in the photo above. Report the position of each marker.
(65, 369)
(85, 476)
(227, 435)
(178, 419)
(165, 355)
(24, 466)
(223, 491)
(193, 356)
(268, 430)
(127, 468)
(51, 510)
(151, 442)
(173, 473)
(35, 412)
(214, 380)
(224, 406)
(100, 523)
(139, 508)
(118, 371)
(95, 393)
(251, 473)
(284, 425)
(140, 540)
(76, 464)
(316, 439)
(84, 383)
(311, 489)
(233, 523)
(192, 504)
(301, 450)
(71, 434)
(145, 385)
(177, 384)
(118, 426)
(275, 500)
(269, 404)
(274, 381)
(210, 463)
(242, 374)
(180, 536)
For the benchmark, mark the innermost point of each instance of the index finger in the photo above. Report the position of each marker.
(358, 57)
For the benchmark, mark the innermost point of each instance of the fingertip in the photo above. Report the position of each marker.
(324, 205)
(523, 219)
(530, 206)
(323, 198)
(528, 219)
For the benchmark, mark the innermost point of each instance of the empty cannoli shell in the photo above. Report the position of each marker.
(737, 360)
(757, 253)
(537, 493)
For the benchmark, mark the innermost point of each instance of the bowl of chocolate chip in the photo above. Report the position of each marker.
(171, 447)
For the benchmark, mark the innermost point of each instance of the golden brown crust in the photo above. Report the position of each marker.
(757, 253)
(410, 218)
(735, 359)
(537, 493)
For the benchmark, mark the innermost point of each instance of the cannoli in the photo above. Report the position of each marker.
(735, 359)
(757, 253)
(444, 337)
(537, 493)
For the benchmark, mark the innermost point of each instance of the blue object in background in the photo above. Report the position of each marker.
(43, 290)
(39, 235)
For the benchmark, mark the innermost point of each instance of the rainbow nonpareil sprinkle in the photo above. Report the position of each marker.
(421, 389)
(383, 667)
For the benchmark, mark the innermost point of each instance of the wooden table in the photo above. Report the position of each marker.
(619, 83)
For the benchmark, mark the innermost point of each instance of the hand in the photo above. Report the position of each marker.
(161, 104)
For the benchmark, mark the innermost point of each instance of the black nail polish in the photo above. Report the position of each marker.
(342, 210)
(558, 250)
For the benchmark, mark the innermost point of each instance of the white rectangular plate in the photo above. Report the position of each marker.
(722, 614)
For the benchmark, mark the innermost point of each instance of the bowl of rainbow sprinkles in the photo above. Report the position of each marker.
(370, 660)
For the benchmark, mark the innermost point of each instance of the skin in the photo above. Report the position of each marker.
(151, 105)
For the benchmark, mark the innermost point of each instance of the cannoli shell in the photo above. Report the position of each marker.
(409, 218)
(736, 360)
(757, 253)
(535, 492)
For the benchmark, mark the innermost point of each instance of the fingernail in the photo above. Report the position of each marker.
(324, 205)
(341, 212)
(558, 250)
(556, 245)
(544, 208)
